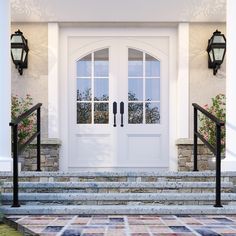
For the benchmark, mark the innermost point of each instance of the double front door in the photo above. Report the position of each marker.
(118, 103)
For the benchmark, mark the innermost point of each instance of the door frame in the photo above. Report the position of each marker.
(67, 32)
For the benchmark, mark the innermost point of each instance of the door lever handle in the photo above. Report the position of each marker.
(122, 113)
(114, 112)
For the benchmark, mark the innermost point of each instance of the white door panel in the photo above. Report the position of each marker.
(143, 140)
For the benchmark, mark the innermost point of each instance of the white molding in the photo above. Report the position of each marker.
(53, 83)
(118, 11)
(5, 88)
(183, 81)
(229, 163)
(65, 33)
(63, 100)
(173, 161)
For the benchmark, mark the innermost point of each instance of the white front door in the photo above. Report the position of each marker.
(125, 76)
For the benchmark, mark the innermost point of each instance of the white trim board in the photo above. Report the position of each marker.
(65, 33)
(53, 83)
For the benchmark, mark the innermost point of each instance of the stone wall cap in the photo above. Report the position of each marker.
(186, 141)
(49, 141)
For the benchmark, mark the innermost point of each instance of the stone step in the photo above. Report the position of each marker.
(117, 185)
(160, 173)
(114, 209)
(119, 196)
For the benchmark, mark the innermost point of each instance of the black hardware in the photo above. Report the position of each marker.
(18, 148)
(122, 113)
(114, 112)
(15, 167)
(216, 49)
(215, 149)
(19, 45)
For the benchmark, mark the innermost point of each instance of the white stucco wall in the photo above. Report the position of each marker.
(203, 85)
(35, 79)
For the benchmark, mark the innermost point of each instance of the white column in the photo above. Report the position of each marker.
(5, 87)
(229, 163)
(53, 83)
(183, 81)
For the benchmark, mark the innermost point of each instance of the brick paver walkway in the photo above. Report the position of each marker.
(141, 225)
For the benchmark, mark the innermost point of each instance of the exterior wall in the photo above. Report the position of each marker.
(185, 156)
(203, 85)
(49, 156)
(35, 79)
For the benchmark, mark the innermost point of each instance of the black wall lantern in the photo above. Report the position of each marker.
(19, 51)
(216, 51)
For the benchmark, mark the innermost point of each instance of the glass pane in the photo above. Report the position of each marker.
(152, 113)
(152, 66)
(101, 88)
(16, 53)
(135, 63)
(84, 66)
(152, 89)
(135, 111)
(211, 56)
(84, 113)
(135, 89)
(83, 89)
(218, 39)
(101, 113)
(218, 52)
(16, 39)
(24, 55)
(101, 64)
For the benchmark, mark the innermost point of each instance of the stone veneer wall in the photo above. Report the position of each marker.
(185, 155)
(49, 156)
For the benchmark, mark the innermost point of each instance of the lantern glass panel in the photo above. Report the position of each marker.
(24, 56)
(16, 39)
(218, 53)
(211, 56)
(16, 53)
(218, 39)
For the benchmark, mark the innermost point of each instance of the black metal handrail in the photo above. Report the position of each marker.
(18, 148)
(216, 150)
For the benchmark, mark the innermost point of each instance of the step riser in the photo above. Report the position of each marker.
(154, 203)
(119, 211)
(139, 190)
(115, 179)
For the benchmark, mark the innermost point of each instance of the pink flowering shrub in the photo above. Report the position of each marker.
(27, 126)
(208, 127)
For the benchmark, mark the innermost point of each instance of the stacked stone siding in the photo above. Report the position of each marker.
(185, 155)
(49, 156)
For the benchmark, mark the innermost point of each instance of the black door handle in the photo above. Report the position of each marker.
(122, 113)
(114, 112)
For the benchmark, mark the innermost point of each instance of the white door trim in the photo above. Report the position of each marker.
(65, 33)
(53, 83)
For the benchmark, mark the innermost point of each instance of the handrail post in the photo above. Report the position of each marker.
(38, 139)
(218, 166)
(15, 167)
(195, 140)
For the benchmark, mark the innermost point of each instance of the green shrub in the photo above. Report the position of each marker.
(28, 125)
(207, 127)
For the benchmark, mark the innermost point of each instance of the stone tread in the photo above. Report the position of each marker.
(119, 196)
(119, 174)
(114, 209)
(156, 185)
